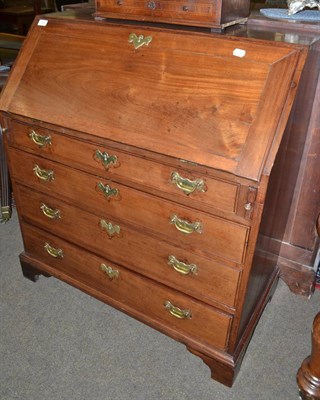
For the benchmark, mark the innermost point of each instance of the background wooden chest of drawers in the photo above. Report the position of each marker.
(140, 172)
(216, 14)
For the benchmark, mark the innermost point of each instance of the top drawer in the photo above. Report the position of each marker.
(189, 187)
(210, 13)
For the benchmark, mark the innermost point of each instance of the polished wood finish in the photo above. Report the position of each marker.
(294, 241)
(308, 376)
(233, 125)
(214, 14)
(216, 280)
(84, 267)
(218, 236)
(186, 103)
(219, 193)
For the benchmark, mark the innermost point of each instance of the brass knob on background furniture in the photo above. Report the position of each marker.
(151, 5)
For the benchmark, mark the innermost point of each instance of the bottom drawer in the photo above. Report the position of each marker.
(143, 298)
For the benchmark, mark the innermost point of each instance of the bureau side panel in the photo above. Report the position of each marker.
(293, 198)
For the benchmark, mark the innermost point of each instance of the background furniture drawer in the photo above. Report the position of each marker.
(211, 280)
(210, 13)
(191, 229)
(116, 165)
(204, 10)
(130, 291)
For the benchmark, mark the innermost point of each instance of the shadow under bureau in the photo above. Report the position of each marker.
(140, 159)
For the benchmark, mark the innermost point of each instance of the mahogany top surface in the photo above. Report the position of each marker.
(185, 95)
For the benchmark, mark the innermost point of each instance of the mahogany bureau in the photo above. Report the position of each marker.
(140, 159)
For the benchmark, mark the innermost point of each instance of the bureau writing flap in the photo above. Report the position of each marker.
(209, 99)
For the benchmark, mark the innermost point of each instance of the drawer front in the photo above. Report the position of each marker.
(130, 291)
(208, 280)
(161, 9)
(183, 226)
(192, 188)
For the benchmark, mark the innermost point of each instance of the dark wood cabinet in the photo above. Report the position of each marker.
(141, 161)
(294, 195)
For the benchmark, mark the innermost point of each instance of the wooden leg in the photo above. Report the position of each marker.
(308, 376)
(29, 271)
(224, 373)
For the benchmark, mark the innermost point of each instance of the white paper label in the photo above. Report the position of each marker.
(239, 53)
(42, 22)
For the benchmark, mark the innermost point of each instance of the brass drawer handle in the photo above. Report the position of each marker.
(106, 159)
(111, 229)
(50, 212)
(186, 185)
(176, 311)
(40, 140)
(181, 267)
(185, 226)
(107, 190)
(53, 252)
(43, 174)
(112, 273)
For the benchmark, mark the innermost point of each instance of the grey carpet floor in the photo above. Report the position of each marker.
(58, 343)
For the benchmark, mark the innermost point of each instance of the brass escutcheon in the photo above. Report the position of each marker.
(107, 190)
(106, 160)
(112, 273)
(111, 229)
(139, 41)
